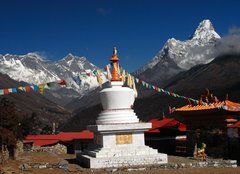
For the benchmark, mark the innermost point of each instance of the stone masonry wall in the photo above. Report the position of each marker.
(57, 149)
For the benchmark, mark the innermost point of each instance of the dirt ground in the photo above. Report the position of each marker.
(44, 157)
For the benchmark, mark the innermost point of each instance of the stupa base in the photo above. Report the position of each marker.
(120, 145)
(121, 161)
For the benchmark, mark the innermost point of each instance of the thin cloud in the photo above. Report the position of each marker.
(228, 45)
(103, 11)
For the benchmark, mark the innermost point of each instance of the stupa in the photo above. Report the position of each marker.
(118, 133)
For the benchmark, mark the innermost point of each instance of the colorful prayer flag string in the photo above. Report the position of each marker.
(30, 88)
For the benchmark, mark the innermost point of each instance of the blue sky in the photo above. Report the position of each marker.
(91, 28)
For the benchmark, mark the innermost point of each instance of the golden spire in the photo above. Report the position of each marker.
(114, 51)
(115, 66)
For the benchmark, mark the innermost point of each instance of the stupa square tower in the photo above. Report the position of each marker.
(118, 134)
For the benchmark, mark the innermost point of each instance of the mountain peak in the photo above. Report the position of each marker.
(34, 55)
(185, 54)
(70, 55)
(206, 24)
(205, 30)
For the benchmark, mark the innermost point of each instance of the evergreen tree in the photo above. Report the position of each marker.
(8, 122)
(28, 125)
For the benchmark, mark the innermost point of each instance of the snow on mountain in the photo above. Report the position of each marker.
(205, 33)
(188, 53)
(34, 69)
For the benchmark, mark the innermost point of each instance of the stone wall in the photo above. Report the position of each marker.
(4, 154)
(18, 149)
(57, 149)
(215, 163)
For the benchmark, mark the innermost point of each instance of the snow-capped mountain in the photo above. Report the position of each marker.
(30, 68)
(34, 69)
(185, 54)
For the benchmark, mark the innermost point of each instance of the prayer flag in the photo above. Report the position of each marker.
(137, 80)
(41, 88)
(14, 90)
(1, 91)
(24, 89)
(28, 89)
(10, 90)
(34, 87)
(6, 91)
(109, 75)
(146, 85)
(134, 88)
(105, 67)
(99, 78)
(129, 82)
(124, 76)
(61, 82)
(20, 88)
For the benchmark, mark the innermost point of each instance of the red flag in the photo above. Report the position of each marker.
(6, 91)
(28, 89)
(61, 82)
(105, 68)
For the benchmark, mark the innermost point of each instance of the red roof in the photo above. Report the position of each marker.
(166, 122)
(224, 105)
(43, 140)
(235, 125)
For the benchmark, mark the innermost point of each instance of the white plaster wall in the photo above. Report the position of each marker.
(117, 98)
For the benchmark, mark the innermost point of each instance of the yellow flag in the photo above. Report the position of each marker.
(123, 76)
(109, 75)
(99, 78)
(146, 85)
(41, 88)
(20, 88)
(129, 82)
(81, 77)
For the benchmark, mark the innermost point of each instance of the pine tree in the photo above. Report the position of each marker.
(8, 122)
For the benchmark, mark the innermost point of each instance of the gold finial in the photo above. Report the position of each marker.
(114, 51)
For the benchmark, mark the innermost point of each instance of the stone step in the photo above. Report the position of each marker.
(123, 161)
(121, 151)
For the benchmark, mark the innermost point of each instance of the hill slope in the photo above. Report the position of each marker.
(28, 103)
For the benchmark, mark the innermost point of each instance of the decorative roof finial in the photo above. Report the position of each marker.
(114, 51)
(115, 67)
(226, 98)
